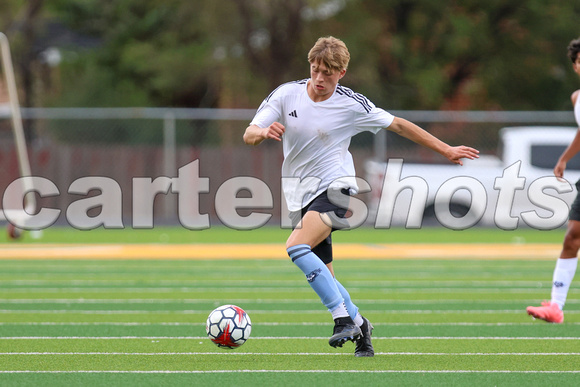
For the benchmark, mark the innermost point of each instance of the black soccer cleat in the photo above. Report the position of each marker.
(344, 330)
(364, 346)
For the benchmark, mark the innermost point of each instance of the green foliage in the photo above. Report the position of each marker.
(87, 84)
(412, 54)
(157, 50)
(475, 55)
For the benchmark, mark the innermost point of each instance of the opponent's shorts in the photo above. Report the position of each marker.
(575, 209)
(323, 205)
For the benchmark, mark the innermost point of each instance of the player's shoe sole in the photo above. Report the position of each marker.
(364, 346)
(344, 330)
(549, 312)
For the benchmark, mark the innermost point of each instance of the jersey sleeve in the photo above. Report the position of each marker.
(373, 119)
(368, 117)
(270, 111)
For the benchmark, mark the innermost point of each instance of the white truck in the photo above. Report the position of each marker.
(517, 190)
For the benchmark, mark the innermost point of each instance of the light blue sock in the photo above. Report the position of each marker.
(350, 306)
(317, 274)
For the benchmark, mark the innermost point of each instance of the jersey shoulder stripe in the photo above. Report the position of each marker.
(361, 99)
(300, 82)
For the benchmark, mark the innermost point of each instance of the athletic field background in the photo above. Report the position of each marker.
(128, 307)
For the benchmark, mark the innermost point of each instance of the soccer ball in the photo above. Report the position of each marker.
(228, 326)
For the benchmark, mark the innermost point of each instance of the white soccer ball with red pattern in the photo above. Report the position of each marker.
(228, 326)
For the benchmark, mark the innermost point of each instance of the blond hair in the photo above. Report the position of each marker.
(330, 51)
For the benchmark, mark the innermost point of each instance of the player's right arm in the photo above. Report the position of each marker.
(572, 149)
(254, 135)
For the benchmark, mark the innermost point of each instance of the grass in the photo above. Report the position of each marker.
(141, 322)
(277, 235)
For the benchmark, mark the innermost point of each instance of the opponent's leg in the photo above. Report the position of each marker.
(563, 275)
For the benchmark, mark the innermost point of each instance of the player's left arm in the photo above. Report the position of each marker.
(416, 134)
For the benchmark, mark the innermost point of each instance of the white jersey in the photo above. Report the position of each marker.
(317, 137)
(577, 110)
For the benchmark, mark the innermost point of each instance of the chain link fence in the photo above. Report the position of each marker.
(66, 144)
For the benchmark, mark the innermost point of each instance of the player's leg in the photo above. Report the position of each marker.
(298, 246)
(364, 347)
(324, 251)
(311, 233)
(566, 264)
(562, 278)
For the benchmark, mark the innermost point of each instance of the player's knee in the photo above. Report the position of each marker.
(292, 241)
(290, 244)
(296, 240)
(296, 251)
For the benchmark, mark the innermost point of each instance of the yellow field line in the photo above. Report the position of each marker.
(277, 251)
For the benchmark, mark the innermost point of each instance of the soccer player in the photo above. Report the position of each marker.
(565, 265)
(315, 119)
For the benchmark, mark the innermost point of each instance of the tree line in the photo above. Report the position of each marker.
(405, 54)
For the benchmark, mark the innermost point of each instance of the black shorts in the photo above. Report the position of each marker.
(575, 209)
(322, 204)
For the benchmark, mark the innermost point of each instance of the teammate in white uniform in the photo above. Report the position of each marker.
(568, 262)
(315, 119)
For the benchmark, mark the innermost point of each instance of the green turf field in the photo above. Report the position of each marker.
(277, 235)
(142, 322)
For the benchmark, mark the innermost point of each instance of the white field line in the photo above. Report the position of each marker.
(180, 289)
(284, 354)
(294, 372)
(251, 283)
(131, 324)
(298, 289)
(188, 301)
(281, 338)
(255, 301)
(286, 312)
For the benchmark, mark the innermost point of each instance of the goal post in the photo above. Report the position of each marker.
(19, 139)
